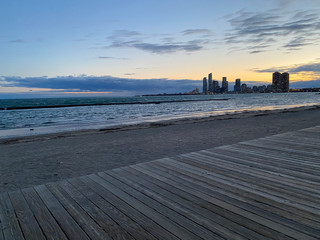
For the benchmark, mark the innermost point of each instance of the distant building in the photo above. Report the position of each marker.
(276, 79)
(215, 87)
(280, 82)
(205, 86)
(210, 82)
(243, 88)
(237, 86)
(224, 88)
(285, 82)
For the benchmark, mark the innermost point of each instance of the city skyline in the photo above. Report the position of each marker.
(82, 48)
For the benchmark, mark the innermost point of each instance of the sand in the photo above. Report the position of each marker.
(30, 161)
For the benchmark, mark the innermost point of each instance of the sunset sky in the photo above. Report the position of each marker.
(118, 47)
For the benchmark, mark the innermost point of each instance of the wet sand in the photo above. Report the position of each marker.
(35, 160)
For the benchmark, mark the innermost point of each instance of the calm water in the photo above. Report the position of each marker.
(48, 120)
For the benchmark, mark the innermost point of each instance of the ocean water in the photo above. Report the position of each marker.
(39, 116)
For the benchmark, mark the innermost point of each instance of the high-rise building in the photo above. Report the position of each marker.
(280, 82)
(285, 82)
(210, 82)
(205, 86)
(276, 81)
(215, 87)
(224, 88)
(237, 86)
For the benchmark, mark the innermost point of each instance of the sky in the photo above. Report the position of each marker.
(128, 47)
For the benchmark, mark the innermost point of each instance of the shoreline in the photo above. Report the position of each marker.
(31, 133)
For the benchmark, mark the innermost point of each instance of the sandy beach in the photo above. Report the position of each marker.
(35, 160)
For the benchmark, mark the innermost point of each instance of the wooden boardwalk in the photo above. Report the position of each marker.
(267, 188)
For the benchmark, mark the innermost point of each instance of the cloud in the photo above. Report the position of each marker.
(17, 41)
(306, 84)
(205, 32)
(295, 29)
(153, 44)
(114, 58)
(309, 67)
(103, 84)
(168, 47)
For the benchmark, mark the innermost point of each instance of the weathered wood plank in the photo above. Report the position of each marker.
(288, 146)
(8, 218)
(25, 217)
(127, 226)
(224, 160)
(221, 208)
(248, 194)
(239, 199)
(273, 147)
(298, 165)
(257, 214)
(107, 223)
(91, 228)
(141, 228)
(191, 206)
(168, 219)
(254, 181)
(270, 163)
(67, 223)
(177, 212)
(160, 224)
(48, 224)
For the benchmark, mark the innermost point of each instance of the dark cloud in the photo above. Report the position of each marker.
(103, 84)
(296, 29)
(310, 67)
(154, 44)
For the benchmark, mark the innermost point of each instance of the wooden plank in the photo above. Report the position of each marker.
(271, 187)
(8, 219)
(91, 228)
(223, 158)
(303, 136)
(237, 215)
(188, 205)
(265, 182)
(127, 225)
(308, 160)
(270, 163)
(287, 145)
(143, 228)
(172, 221)
(310, 169)
(160, 223)
(193, 222)
(49, 226)
(239, 183)
(295, 140)
(67, 223)
(107, 223)
(258, 198)
(26, 219)
(282, 149)
(239, 198)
